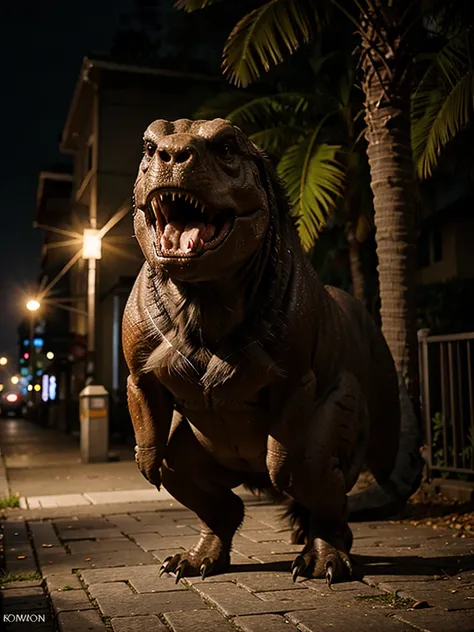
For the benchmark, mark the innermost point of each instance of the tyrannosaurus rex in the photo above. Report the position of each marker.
(244, 369)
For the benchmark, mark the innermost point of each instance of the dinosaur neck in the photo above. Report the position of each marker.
(220, 308)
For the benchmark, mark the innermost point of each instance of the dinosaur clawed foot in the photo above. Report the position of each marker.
(322, 559)
(208, 557)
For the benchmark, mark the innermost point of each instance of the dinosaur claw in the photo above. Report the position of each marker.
(329, 574)
(179, 573)
(164, 566)
(206, 568)
(298, 567)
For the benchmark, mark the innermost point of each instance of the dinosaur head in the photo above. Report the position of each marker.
(201, 204)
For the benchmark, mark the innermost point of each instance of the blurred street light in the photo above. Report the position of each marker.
(33, 305)
(37, 388)
(50, 355)
(91, 244)
(1, 388)
(3, 361)
(30, 387)
(14, 379)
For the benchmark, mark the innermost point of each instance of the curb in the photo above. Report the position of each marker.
(4, 486)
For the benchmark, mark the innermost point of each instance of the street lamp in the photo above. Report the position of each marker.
(92, 252)
(32, 306)
(3, 361)
(14, 379)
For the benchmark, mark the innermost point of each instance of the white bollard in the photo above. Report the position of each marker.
(94, 417)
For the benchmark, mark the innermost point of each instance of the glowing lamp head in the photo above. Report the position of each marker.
(92, 244)
(15, 379)
(37, 388)
(3, 361)
(33, 305)
(50, 355)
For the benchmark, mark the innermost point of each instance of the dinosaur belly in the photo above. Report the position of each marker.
(237, 439)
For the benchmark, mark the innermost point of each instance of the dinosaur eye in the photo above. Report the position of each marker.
(150, 149)
(226, 151)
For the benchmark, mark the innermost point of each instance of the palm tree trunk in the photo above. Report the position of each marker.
(387, 87)
(355, 264)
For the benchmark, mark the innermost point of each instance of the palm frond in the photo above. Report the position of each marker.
(223, 103)
(261, 110)
(314, 180)
(262, 38)
(445, 115)
(275, 140)
(193, 5)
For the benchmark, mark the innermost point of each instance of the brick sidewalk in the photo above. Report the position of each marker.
(100, 572)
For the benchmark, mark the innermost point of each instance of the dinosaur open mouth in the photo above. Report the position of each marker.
(185, 225)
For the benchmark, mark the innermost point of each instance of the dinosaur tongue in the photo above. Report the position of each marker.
(187, 238)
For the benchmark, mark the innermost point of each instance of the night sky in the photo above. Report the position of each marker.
(42, 45)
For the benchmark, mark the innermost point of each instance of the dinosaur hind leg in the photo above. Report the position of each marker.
(334, 446)
(197, 481)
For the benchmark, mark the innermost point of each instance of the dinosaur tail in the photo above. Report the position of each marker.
(388, 498)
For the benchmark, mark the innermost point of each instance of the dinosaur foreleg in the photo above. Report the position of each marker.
(197, 481)
(151, 410)
(331, 444)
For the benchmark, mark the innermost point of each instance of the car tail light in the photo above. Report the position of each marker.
(11, 397)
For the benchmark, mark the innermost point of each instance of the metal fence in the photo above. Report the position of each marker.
(447, 394)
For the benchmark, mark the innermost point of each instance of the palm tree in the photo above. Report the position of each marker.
(388, 31)
(315, 138)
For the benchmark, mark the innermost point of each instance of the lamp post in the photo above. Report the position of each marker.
(3, 361)
(92, 252)
(32, 306)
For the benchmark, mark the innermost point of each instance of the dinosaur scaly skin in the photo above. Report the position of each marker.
(244, 369)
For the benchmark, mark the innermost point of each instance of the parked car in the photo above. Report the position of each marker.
(11, 403)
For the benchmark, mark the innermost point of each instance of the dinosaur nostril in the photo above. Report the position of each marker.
(183, 156)
(164, 156)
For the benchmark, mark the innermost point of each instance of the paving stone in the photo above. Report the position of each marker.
(126, 524)
(82, 621)
(436, 620)
(116, 599)
(67, 600)
(143, 579)
(233, 600)
(177, 530)
(247, 547)
(143, 623)
(77, 522)
(30, 599)
(259, 582)
(154, 541)
(266, 535)
(163, 554)
(198, 621)
(34, 583)
(112, 544)
(264, 623)
(15, 531)
(283, 560)
(450, 594)
(62, 564)
(90, 534)
(155, 517)
(348, 619)
(57, 582)
(44, 533)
